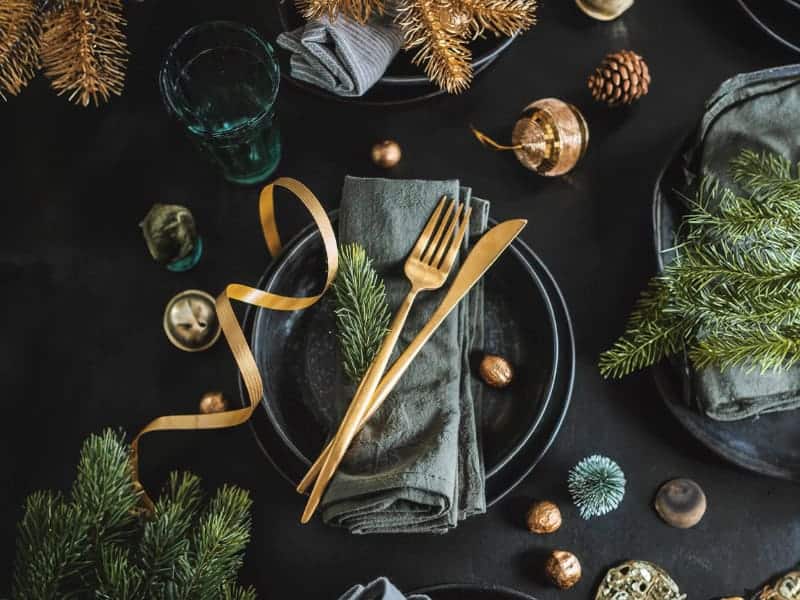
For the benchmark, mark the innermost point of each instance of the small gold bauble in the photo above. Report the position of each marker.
(496, 371)
(544, 517)
(213, 402)
(386, 154)
(604, 10)
(563, 568)
(190, 321)
(638, 580)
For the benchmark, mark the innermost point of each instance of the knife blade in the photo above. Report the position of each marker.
(482, 256)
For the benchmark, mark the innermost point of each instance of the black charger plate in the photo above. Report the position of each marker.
(769, 444)
(779, 19)
(403, 82)
(464, 591)
(531, 447)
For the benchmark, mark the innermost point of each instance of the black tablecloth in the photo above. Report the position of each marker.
(82, 345)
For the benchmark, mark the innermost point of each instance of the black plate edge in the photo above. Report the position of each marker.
(473, 587)
(766, 28)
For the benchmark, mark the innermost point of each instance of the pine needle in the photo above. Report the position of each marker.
(20, 33)
(362, 310)
(732, 293)
(84, 50)
(500, 17)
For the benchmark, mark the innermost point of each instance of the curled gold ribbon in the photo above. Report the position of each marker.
(233, 331)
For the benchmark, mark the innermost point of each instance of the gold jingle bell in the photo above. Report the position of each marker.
(190, 321)
(549, 138)
(786, 588)
(638, 580)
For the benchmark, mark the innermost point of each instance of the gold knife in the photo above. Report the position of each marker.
(482, 256)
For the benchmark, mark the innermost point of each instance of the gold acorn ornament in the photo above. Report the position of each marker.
(621, 78)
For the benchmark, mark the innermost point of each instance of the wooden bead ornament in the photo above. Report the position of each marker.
(681, 503)
(549, 138)
(386, 154)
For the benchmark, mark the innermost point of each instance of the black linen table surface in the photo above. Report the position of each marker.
(82, 345)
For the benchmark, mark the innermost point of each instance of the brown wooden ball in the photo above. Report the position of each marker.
(386, 154)
(496, 371)
(213, 402)
(681, 503)
(563, 568)
(543, 517)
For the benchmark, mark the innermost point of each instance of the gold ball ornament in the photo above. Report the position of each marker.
(638, 580)
(213, 402)
(549, 138)
(543, 517)
(386, 154)
(563, 569)
(604, 10)
(496, 371)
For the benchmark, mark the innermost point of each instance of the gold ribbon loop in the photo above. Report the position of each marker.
(233, 330)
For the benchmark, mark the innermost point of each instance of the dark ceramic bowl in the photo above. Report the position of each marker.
(769, 444)
(292, 468)
(298, 357)
(403, 81)
(779, 19)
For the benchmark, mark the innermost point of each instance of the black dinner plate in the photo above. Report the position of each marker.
(465, 591)
(779, 19)
(403, 82)
(292, 468)
(768, 444)
(299, 361)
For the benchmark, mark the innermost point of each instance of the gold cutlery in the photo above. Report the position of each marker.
(426, 268)
(483, 254)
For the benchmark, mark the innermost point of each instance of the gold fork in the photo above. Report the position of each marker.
(426, 268)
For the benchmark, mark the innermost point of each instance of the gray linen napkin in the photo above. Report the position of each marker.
(342, 56)
(380, 589)
(417, 466)
(758, 111)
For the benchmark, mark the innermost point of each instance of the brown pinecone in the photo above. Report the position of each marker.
(621, 78)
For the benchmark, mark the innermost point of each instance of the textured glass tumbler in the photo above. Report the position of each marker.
(220, 79)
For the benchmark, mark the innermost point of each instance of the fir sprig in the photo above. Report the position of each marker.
(94, 544)
(732, 293)
(362, 310)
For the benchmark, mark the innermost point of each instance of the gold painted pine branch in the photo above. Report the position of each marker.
(20, 32)
(84, 50)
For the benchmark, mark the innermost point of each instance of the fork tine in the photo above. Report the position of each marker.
(435, 242)
(437, 258)
(450, 258)
(422, 240)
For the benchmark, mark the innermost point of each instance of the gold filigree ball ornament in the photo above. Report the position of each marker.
(171, 236)
(386, 154)
(213, 402)
(543, 517)
(563, 569)
(638, 580)
(786, 588)
(604, 10)
(496, 371)
(621, 78)
(190, 321)
(550, 137)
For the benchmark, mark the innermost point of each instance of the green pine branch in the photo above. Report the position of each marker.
(94, 544)
(362, 310)
(732, 293)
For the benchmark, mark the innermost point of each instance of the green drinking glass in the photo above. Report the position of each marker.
(220, 79)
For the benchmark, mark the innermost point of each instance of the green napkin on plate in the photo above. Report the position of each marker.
(417, 465)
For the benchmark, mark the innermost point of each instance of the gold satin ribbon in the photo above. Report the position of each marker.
(233, 331)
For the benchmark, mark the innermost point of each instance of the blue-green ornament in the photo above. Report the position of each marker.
(597, 486)
(171, 236)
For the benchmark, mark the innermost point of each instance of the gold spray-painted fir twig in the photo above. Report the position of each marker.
(358, 10)
(84, 50)
(444, 55)
(20, 32)
(501, 17)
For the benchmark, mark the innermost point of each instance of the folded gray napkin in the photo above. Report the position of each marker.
(417, 466)
(380, 589)
(342, 56)
(758, 111)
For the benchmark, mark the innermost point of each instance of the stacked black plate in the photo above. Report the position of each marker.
(472, 592)
(525, 312)
(779, 19)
